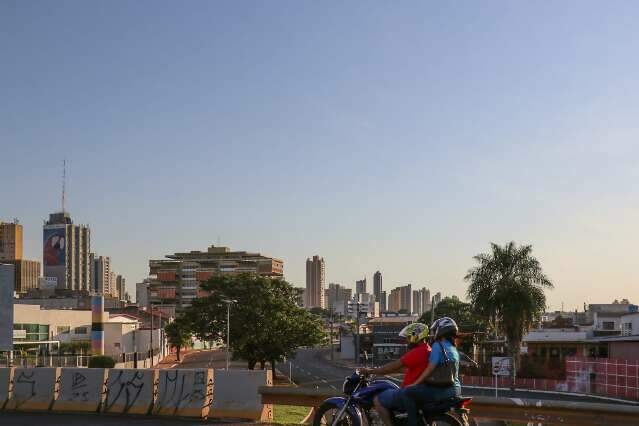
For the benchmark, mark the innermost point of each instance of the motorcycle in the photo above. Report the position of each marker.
(356, 407)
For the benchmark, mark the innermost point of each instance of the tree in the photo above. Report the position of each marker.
(179, 334)
(266, 323)
(461, 312)
(507, 289)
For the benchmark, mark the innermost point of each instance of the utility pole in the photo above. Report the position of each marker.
(151, 335)
(357, 305)
(330, 336)
(228, 330)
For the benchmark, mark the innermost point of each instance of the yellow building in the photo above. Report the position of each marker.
(10, 241)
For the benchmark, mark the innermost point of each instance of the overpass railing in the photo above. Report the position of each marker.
(510, 409)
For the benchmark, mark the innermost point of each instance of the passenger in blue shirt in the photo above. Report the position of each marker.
(444, 331)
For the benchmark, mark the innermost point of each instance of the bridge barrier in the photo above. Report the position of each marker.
(81, 389)
(184, 392)
(487, 408)
(34, 389)
(5, 380)
(236, 395)
(130, 391)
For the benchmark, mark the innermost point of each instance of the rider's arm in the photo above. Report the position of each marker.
(427, 372)
(391, 367)
(433, 360)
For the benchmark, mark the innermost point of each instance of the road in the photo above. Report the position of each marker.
(311, 368)
(53, 419)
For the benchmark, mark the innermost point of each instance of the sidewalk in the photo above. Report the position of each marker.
(170, 361)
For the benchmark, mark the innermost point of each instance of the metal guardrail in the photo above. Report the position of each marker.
(512, 409)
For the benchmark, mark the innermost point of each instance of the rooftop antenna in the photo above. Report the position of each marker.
(64, 182)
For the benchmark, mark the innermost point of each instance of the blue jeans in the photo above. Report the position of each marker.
(419, 395)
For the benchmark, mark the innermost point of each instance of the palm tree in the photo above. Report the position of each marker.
(507, 288)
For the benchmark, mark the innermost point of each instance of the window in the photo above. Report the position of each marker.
(63, 329)
(608, 325)
(626, 329)
(80, 330)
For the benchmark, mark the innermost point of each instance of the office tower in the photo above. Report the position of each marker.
(315, 276)
(142, 294)
(175, 280)
(421, 301)
(400, 299)
(66, 252)
(336, 298)
(113, 290)
(120, 284)
(26, 274)
(10, 241)
(360, 286)
(438, 298)
(377, 285)
(101, 274)
(382, 302)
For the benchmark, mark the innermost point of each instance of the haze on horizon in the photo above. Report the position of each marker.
(400, 137)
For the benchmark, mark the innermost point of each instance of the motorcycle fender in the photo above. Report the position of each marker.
(353, 410)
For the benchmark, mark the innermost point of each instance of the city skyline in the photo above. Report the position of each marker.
(405, 139)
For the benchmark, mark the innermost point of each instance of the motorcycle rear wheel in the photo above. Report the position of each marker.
(445, 419)
(327, 412)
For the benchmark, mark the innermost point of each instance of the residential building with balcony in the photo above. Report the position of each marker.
(174, 282)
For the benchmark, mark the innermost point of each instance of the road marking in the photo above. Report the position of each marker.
(317, 377)
(333, 387)
(324, 380)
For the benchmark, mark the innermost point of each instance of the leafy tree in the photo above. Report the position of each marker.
(266, 323)
(179, 334)
(507, 289)
(461, 312)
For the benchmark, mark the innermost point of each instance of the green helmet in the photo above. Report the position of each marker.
(415, 332)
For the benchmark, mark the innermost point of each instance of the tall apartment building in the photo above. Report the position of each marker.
(120, 285)
(382, 302)
(438, 298)
(142, 294)
(100, 274)
(10, 241)
(66, 252)
(360, 286)
(400, 299)
(174, 281)
(113, 289)
(377, 286)
(421, 301)
(315, 278)
(336, 298)
(27, 273)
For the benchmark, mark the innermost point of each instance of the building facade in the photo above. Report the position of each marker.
(66, 252)
(377, 286)
(142, 294)
(315, 278)
(10, 241)
(27, 273)
(175, 281)
(120, 284)
(101, 274)
(400, 299)
(336, 298)
(382, 301)
(360, 286)
(421, 301)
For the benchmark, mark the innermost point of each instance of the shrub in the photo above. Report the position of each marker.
(101, 361)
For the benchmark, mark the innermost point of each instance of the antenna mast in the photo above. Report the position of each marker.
(64, 181)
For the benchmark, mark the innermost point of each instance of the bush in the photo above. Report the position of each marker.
(101, 361)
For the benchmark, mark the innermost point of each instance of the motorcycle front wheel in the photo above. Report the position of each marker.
(326, 414)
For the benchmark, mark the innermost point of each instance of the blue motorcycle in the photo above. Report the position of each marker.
(356, 408)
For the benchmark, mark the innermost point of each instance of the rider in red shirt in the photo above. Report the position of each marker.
(413, 362)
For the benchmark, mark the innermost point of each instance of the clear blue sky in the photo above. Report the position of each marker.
(400, 136)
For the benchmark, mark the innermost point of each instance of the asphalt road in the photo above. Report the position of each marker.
(311, 368)
(52, 419)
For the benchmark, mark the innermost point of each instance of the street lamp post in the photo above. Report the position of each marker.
(228, 330)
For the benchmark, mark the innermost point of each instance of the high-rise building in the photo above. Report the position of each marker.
(175, 280)
(315, 276)
(26, 274)
(377, 286)
(120, 284)
(336, 298)
(142, 294)
(113, 289)
(438, 298)
(382, 302)
(66, 252)
(101, 274)
(421, 301)
(10, 241)
(400, 299)
(360, 286)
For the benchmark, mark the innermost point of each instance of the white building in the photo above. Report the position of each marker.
(630, 324)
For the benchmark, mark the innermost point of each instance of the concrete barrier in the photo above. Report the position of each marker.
(184, 392)
(5, 379)
(34, 389)
(81, 389)
(130, 391)
(236, 395)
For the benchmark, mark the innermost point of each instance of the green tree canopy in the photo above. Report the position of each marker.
(507, 288)
(179, 334)
(266, 323)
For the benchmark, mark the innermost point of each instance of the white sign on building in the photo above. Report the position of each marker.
(502, 366)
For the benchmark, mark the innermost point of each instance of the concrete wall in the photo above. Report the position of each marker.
(34, 389)
(5, 378)
(81, 389)
(185, 392)
(236, 395)
(130, 391)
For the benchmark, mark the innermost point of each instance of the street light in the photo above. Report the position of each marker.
(228, 329)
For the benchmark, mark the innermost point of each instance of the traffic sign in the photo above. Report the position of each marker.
(502, 366)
